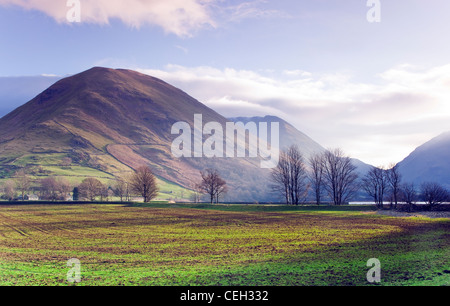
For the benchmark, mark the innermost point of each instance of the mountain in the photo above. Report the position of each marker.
(108, 122)
(289, 135)
(429, 162)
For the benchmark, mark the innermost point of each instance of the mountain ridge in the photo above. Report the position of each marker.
(429, 162)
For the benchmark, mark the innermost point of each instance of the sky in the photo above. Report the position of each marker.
(370, 77)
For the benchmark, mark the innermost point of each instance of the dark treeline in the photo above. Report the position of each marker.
(331, 177)
(324, 178)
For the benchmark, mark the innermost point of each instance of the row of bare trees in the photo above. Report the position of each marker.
(333, 176)
(385, 184)
(331, 173)
(49, 188)
(141, 183)
(378, 181)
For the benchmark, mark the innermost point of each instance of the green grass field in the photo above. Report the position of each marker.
(231, 245)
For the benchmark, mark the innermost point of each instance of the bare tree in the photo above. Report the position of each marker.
(394, 179)
(281, 177)
(23, 182)
(409, 194)
(289, 177)
(433, 194)
(143, 183)
(49, 189)
(105, 193)
(121, 188)
(298, 175)
(196, 193)
(221, 190)
(55, 188)
(317, 165)
(90, 188)
(375, 183)
(339, 176)
(64, 187)
(212, 184)
(9, 190)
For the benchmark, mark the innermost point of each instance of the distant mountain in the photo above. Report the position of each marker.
(289, 135)
(111, 121)
(429, 162)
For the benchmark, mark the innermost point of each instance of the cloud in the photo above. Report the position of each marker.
(185, 50)
(180, 17)
(380, 122)
(250, 10)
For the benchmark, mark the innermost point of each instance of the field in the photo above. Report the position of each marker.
(223, 245)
